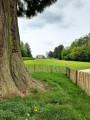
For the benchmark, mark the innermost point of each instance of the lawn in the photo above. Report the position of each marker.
(63, 101)
(54, 62)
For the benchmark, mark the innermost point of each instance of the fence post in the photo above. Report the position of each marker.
(68, 72)
(56, 69)
(59, 69)
(51, 68)
(34, 68)
(83, 80)
(89, 85)
(86, 82)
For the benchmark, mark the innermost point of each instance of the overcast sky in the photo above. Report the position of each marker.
(61, 23)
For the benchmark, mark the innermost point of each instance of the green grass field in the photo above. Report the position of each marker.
(63, 101)
(54, 62)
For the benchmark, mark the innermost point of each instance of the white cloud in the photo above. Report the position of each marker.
(63, 22)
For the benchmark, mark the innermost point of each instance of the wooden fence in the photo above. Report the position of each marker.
(46, 68)
(81, 78)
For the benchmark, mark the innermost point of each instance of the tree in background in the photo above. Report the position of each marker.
(50, 54)
(79, 50)
(14, 78)
(60, 48)
(83, 41)
(43, 57)
(55, 54)
(76, 54)
(23, 50)
(28, 49)
(65, 53)
(85, 54)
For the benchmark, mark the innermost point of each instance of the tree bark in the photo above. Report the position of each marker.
(14, 78)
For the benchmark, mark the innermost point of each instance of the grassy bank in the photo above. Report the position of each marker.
(64, 101)
(54, 62)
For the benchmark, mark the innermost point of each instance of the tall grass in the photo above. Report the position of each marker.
(46, 68)
(54, 62)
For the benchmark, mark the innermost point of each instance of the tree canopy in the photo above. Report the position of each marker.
(79, 50)
(30, 8)
(25, 50)
(50, 54)
(56, 53)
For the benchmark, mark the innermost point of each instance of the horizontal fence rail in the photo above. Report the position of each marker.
(46, 68)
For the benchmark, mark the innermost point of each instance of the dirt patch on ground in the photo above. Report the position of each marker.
(40, 86)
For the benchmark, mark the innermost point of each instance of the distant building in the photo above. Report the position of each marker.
(40, 56)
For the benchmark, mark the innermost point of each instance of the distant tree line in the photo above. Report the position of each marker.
(79, 50)
(25, 49)
(56, 53)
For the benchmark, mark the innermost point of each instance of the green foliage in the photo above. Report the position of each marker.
(28, 49)
(10, 110)
(7, 115)
(76, 54)
(60, 48)
(65, 54)
(83, 41)
(78, 51)
(57, 52)
(50, 54)
(25, 50)
(86, 54)
(30, 8)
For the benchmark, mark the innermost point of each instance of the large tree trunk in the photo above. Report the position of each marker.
(14, 78)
